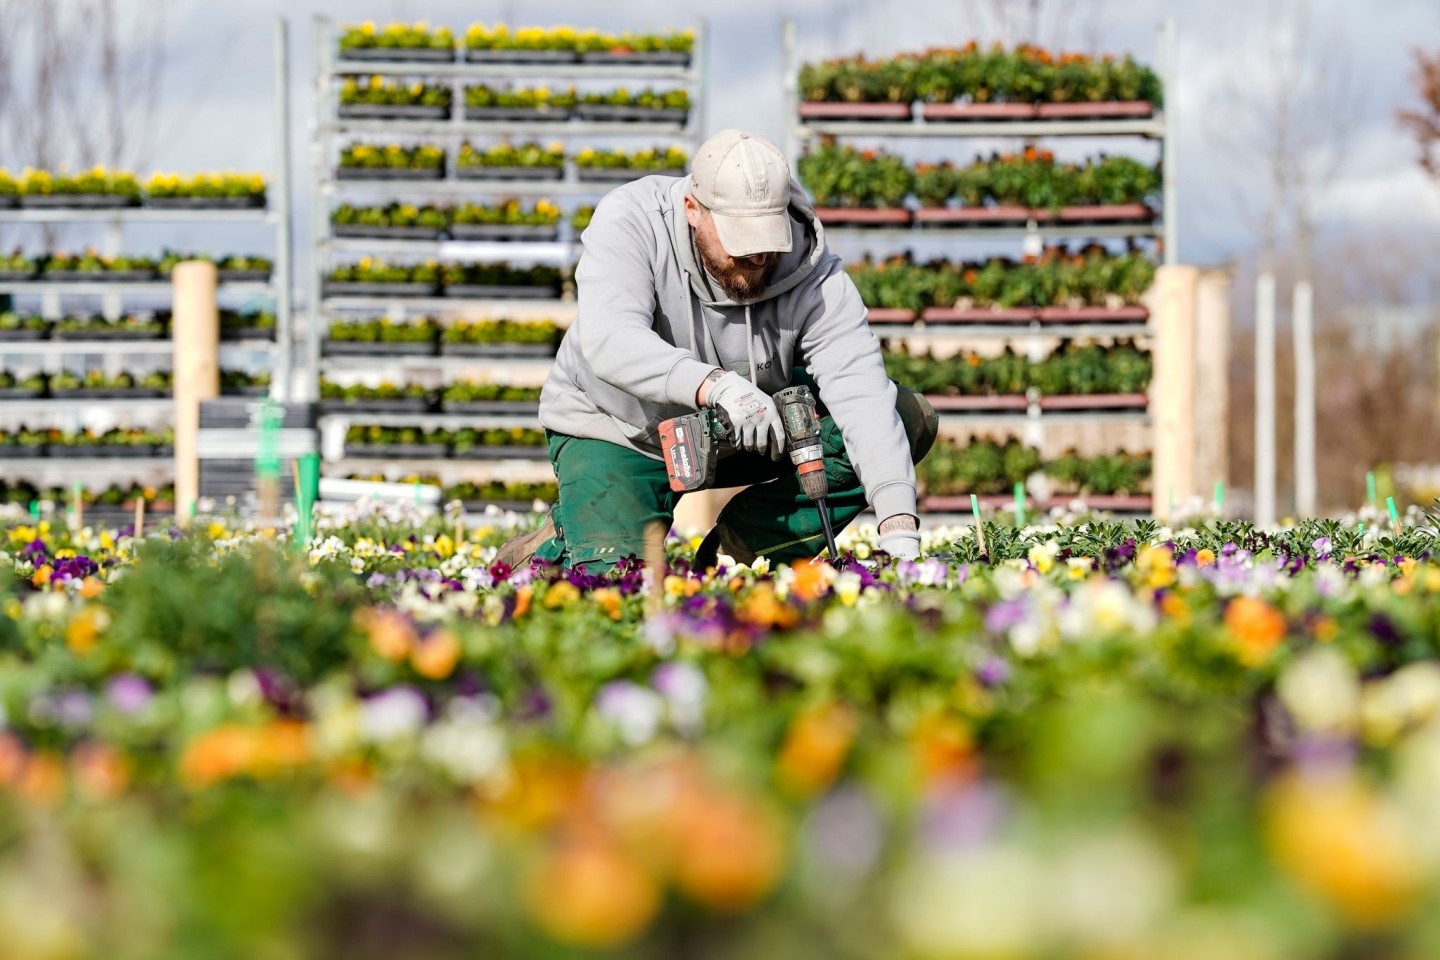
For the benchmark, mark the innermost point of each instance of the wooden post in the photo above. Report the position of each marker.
(1212, 379)
(1172, 389)
(195, 329)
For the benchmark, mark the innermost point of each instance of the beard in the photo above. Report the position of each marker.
(741, 284)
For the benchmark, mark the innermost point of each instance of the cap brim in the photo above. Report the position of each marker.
(748, 236)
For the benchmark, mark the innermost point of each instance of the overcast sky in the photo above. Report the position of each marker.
(218, 107)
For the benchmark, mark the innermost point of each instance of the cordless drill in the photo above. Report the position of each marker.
(688, 445)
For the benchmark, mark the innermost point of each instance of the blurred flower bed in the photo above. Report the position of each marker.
(1090, 739)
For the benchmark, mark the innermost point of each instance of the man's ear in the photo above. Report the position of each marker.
(692, 211)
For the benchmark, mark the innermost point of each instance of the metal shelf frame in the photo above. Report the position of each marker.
(138, 215)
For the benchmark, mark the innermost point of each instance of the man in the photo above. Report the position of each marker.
(717, 290)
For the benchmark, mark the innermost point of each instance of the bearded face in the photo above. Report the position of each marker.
(744, 279)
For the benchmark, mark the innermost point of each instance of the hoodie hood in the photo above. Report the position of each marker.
(806, 249)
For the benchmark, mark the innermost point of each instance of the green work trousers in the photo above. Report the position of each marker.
(609, 494)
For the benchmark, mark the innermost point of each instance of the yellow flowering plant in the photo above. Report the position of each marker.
(480, 96)
(226, 185)
(9, 186)
(510, 213)
(96, 180)
(672, 158)
(396, 36)
(392, 156)
(376, 91)
(509, 155)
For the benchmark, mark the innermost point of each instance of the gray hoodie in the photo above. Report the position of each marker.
(651, 325)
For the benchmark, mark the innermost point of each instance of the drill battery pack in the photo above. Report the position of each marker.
(688, 445)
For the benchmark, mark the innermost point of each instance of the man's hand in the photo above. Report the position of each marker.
(900, 536)
(753, 418)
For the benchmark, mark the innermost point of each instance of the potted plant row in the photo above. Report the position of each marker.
(1057, 286)
(508, 220)
(115, 499)
(992, 469)
(868, 187)
(1073, 377)
(519, 104)
(16, 387)
(620, 165)
(479, 397)
(498, 280)
(499, 44)
(97, 385)
(974, 83)
(102, 189)
(246, 325)
(134, 326)
(505, 161)
(375, 97)
(116, 442)
(385, 398)
(391, 161)
(506, 495)
(372, 441)
(499, 338)
(241, 383)
(234, 268)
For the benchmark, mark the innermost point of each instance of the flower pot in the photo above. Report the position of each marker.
(978, 404)
(1096, 401)
(397, 451)
(863, 217)
(978, 315)
(948, 112)
(622, 174)
(480, 291)
(854, 111)
(233, 334)
(367, 232)
(417, 54)
(77, 201)
(398, 405)
(501, 453)
(500, 231)
(603, 113)
(510, 173)
(966, 216)
(1106, 213)
(1093, 314)
(98, 276)
(361, 288)
(391, 111)
(1108, 110)
(205, 203)
(243, 276)
(490, 407)
(520, 56)
(359, 348)
(659, 58)
(512, 351)
(16, 276)
(390, 173)
(891, 315)
(25, 334)
(517, 114)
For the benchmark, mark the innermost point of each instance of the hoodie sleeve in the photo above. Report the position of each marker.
(615, 280)
(840, 349)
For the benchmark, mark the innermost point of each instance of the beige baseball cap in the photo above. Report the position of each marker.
(745, 181)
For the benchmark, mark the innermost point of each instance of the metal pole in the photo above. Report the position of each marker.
(1265, 399)
(1170, 51)
(1304, 331)
(791, 101)
(701, 70)
(319, 219)
(284, 253)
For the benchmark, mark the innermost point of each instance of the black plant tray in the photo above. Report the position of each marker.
(622, 174)
(502, 453)
(7, 202)
(78, 201)
(479, 291)
(99, 334)
(390, 173)
(243, 276)
(605, 113)
(417, 54)
(519, 114)
(652, 59)
(397, 451)
(16, 276)
(106, 450)
(498, 231)
(406, 405)
(23, 334)
(21, 393)
(520, 56)
(103, 276)
(392, 111)
(367, 232)
(510, 173)
(490, 406)
(499, 351)
(244, 391)
(363, 348)
(357, 288)
(107, 393)
(163, 450)
(15, 451)
(205, 203)
(233, 334)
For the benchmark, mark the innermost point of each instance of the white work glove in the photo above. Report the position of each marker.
(754, 421)
(902, 544)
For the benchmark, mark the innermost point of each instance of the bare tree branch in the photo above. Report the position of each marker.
(1424, 121)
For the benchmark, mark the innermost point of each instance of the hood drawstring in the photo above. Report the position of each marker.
(750, 347)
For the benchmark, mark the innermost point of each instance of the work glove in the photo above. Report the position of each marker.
(754, 420)
(902, 544)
